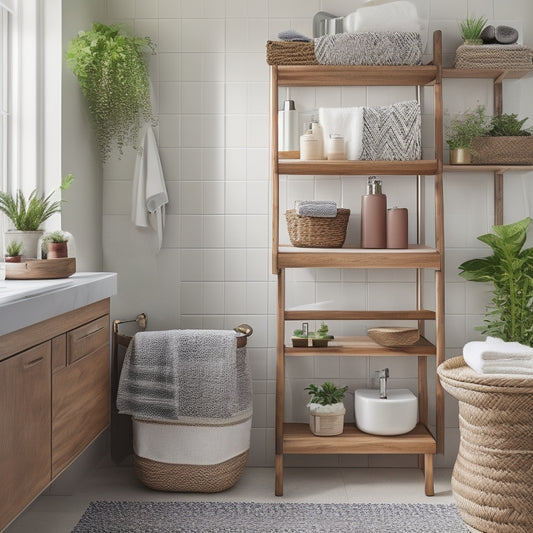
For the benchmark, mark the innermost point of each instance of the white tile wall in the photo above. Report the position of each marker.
(211, 86)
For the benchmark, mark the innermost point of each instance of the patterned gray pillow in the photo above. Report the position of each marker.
(392, 133)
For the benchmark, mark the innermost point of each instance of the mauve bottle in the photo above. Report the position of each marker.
(374, 216)
(397, 225)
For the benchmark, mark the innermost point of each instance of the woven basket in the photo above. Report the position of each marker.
(190, 478)
(317, 232)
(493, 475)
(290, 53)
(327, 425)
(393, 336)
(494, 56)
(502, 150)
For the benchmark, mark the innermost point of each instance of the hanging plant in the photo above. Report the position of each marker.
(113, 77)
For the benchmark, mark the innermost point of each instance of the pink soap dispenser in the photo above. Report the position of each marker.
(374, 216)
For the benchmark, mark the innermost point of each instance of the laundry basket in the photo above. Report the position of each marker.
(493, 475)
(196, 454)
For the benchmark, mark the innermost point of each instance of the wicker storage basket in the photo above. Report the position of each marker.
(393, 336)
(290, 53)
(327, 424)
(493, 474)
(490, 56)
(317, 232)
(502, 150)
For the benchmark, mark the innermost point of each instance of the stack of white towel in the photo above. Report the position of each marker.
(495, 356)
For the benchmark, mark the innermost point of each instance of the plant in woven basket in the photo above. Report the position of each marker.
(508, 125)
(326, 394)
(113, 77)
(465, 127)
(510, 269)
(471, 29)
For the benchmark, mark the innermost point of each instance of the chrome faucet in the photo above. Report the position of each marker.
(383, 376)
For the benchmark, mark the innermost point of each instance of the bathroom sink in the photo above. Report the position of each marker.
(13, 290)
(394, 415)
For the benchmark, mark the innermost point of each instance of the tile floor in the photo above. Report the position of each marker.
(61, 506)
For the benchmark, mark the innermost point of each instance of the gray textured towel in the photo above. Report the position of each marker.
(189, 375)
(371, 48)
(316, 208)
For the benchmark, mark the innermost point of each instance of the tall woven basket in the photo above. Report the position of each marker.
(502, 150)
(492, 479)
(317, 232)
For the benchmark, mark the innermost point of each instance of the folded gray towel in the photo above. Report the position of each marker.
(316, 208)
(291, 35)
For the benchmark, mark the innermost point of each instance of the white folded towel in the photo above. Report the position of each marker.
(393, 16)
(149, 195)
(346, 121)
(495, 356)
(316, 208)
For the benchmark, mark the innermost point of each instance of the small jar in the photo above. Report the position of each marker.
(397, 227)
(311, 147)
(335, 147)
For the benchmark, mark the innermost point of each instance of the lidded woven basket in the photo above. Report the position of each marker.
(317, 232)
(493, 473)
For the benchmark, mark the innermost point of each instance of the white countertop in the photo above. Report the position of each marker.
(27, 302)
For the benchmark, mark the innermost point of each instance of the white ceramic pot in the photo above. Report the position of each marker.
(29, 239)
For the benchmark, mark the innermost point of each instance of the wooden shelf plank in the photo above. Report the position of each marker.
(424, 167)
(298, 438)
(485, 73)
(416, 256)
(323, 314)
(342, 75)
(363, 347)
(487, 168)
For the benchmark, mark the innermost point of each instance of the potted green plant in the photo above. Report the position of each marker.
(471, 29)
(326, 409)
(509, 315)
(56, 244)
(111, 70)
(27, 214)
(13, 250)
(463, 129)
(506, 141)
(319, 339)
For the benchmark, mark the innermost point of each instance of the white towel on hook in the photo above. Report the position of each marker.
(149, 190)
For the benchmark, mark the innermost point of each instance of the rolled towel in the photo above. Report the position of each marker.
(316, 208)
(292, 35)
(394, 16)
(346, 121)
(495, 356)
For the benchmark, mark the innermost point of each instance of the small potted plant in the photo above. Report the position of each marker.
(463, 129)
(510, 270)
(319, 339)
(471, 29)
(326, 409)
(56, 244)
(13, 250)
(27, 215)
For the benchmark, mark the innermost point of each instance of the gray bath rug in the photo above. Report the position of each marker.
(232, 517)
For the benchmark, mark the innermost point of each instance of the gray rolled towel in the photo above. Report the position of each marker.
(292, 35)
(316, 208)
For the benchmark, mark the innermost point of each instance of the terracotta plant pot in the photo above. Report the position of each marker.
(13, 258)
(55, 250)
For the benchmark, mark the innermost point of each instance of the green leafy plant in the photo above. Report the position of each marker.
(113, 77)
(27, 214)
(14, 248)
(55, 236)
(321, 333)
(508, 125)
(464, 128)
(472, 27)
(510, 269)
(327, 393)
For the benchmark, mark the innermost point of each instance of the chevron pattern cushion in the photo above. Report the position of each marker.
(392, 132)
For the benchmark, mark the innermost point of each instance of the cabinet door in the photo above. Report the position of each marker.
(24, 429)
(80, 393)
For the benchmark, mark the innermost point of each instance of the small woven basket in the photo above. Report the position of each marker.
(326, 425)
(502, 150)
(493, 473)
(317, 232)
(393, 336)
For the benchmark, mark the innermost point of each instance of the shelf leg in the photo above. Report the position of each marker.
(279, 474)
(428, 474)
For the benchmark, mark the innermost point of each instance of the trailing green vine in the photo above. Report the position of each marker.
(510, 270)
(112, 73)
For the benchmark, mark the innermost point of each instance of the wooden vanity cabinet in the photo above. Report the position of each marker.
(24, 429)
(54, 400)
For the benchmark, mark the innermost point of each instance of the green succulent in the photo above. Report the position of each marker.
(327, 393)
(14, 248)
(113, 77)
(472, 27)
(508, 125)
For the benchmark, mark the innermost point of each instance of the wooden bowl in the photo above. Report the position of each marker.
(392, 336)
